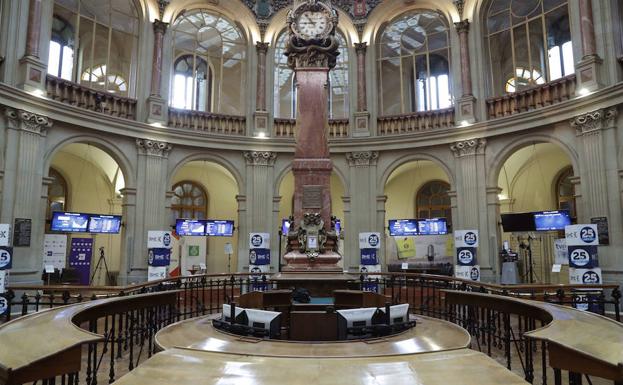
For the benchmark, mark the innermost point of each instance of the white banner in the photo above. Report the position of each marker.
(369, 240)
(581, 235)
(561, 257)
(2, 281)
(467, 272)
(259, 241)
(193, 253)
(466, 238)
(5, 230)
(585, 276)
(155, 273)
(370, 269)
(259, 269)
(159, 240)
(55, 250)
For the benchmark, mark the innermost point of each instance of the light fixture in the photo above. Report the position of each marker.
(464, 123)
(261, 135)
(583, 91)
(38, 93)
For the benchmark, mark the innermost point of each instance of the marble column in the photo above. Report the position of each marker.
(362, 116)
(587, 68)
(466, 103)
(157, 105)
(243, 233)
(24, 186)
(261, 115)
(587, 28)
(34, 29)
(381, 225)
(32, 68)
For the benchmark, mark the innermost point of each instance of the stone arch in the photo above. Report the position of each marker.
(410, 158)
(219, 160)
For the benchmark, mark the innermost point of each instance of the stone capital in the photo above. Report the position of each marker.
(594, 121)
(468, 147)
(153, 147)
(260, 158)
(462, 26)
(361, 48)
(262, 47)
(160, 26)
(362, 158)
(27, 121)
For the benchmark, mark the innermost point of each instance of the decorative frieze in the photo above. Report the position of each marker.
(468, 147)
(153, 147)
(27, 121)
(362, 158)
(594, 120)
(260, 158)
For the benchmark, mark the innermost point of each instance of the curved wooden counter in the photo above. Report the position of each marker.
(430, 335)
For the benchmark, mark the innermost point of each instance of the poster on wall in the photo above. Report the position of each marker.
(159, 257)
(155, 273)
(80, 255)
(467, 272)
(259, 241)
(405, 247)
(21, 232)
(159, 239)
(602, 229)
(5, 233)
(193, 253)
(259, 257)
(561, 256)
(55, 250)
(466, 238)
(585, 276)
(369, 240)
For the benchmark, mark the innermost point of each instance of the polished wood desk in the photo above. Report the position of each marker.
(358, 298)
(266, 299)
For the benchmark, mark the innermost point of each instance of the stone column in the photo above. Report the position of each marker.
(261, 115)
(587, 69)
(128, 212)
(362, 116)
(466, 104)
(157, 105)
(34, 29)
(362, 170)
(243, 233)
(24, 186)
(32, 68)
(381, 221)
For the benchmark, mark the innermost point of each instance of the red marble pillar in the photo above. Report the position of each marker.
(589, 48)
(156, 71)
(262, 49)
(462, 28)
(34, 29)
(362, 104)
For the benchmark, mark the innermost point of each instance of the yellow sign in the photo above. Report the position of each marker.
(405, 247)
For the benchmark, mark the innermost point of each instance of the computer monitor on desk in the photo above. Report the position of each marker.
(354, 322)
(263, 320)
(398, 314)
(239, 316)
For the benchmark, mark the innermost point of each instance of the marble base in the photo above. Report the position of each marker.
(319, 284)
(299, 262)
(32, 75)
(588, 71)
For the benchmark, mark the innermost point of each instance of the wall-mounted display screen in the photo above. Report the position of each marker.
(219, 228)
(285, 226)
(433, 226)
(190, 227)
(551, 220)
(338, 227)
(402, 227)
(108, 224)
(70, 222)
(517, 222)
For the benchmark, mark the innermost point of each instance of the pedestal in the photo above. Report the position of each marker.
(465, 110)
(587, 71)
(362, 124)
(312, 182)
(260, 126)
(157, 110)
(32, 74)
(319, 284)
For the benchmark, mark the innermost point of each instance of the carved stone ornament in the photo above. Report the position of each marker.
(462, 26)
(27, 121)
(594, 120)
(162, 5)
(312, 226)
(362, 158)
(460, 5)
(262, 47)
(260, 158)
(153, 147)
(160, 26)
(468, 147)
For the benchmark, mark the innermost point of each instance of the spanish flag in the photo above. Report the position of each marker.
(405, 247)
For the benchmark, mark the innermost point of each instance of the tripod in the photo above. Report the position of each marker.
(98, 268)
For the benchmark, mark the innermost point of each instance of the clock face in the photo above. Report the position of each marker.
(311, 25)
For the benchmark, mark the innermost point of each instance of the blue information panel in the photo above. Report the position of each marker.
(190, 227)
(159, 257)
(369, 257)
(551, 220)
(402, 227)
(406, 227)
(69, 222)
(219, 228)
(108, 224)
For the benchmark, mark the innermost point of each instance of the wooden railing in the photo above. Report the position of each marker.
(80, 96)
(420, 121)
(537, 97)
(284, 128)
(207, 122)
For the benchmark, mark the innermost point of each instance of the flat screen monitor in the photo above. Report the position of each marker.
(285, 226)
(227, 312)
(338, 227)
(219, 228)
(69, 222)
(190, 227)
(518, 222)
(264, 319)
(107, 224)
(357, 317)
(551, 220)
(432, 226)
(398, 313)
(402, 227)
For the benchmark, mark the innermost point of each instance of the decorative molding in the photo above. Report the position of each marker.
(162, 5)
(260, 158)
(468, 147)
(27, 121)
(460, 5)
(160, 26)
(594, 120)
(361, 48)
(153, 147)
(356, 9)
(262, 47)
(462, 26)
(362, 158)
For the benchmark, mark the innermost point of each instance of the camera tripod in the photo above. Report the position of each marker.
(98, 269)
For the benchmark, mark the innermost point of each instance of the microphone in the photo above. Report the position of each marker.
(430, 252)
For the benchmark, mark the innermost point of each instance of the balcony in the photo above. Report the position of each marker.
(415, 122)
(540, 96)
(284, 128)
(207, 122)
(79, 96)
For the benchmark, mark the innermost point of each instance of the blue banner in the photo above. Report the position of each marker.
(6, 257)
(369, 257)
(371, 286)
(259, 256)
(4, 305)
(159, 257)
(583, 257)
(80, 258)
(466, 256)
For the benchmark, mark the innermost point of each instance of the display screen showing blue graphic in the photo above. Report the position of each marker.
(338, 227)
(190, 227)
(433, 226)
(70, 222)
(107, 224)
(219, 228)
(551, 220)
(402, 227)
(285, 226)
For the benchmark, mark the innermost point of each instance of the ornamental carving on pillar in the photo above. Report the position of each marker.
(460, 5)
(162, 5)
(462, 26)
(594, 120)
(160, 26)
(361, 48)
(262, 47)
(27, 121)
(468, 147)
(153, 147)
(260, 158)
(362, 158)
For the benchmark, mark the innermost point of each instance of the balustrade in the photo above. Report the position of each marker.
(207, 122)
(420, 121)
(284, 128)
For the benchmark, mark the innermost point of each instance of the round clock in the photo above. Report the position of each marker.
(312, 23)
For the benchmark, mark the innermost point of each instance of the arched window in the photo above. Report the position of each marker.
(285, 82)
(414, 69)
(189, 201)
(209, 69)
(57, 193)
(433, 201)
(95, 43)
(565, 192)
(529, 43)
